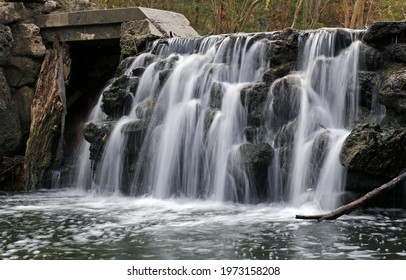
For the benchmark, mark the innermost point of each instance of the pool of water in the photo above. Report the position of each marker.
(67, 224)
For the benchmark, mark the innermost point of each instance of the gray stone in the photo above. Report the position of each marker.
(286, 98)
(27, 41)
(6, 42)
(22, 71)
(12, 12)
(375, 151)
(254, 98)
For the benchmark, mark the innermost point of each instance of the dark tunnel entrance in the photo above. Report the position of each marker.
(93, 64)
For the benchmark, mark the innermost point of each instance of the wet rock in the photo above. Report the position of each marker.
(385, 33)
(163, 76)
(133, 85)
(281, 51)
(286, 98)
(122, 68)
(216, 95)
(343, 40)
(116, 99)
(97, 134)
(285, 135)
(138, 71)
(393, 91)
(27, 41)
(254, 99)
(375, 151)
(274, 73)
(255, 160)
(208, 119)
(12, 12)
(6, 42)
(22, 71)
(145, 109)
(255, 135)
(371, 58)
(369, 83)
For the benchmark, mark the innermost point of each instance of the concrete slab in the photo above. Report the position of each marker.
(106, 24)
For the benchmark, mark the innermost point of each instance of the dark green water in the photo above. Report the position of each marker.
(70, 225)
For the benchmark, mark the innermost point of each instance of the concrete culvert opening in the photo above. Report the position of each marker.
(93, 63)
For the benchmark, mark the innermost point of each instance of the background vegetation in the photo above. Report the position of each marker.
(221, 16)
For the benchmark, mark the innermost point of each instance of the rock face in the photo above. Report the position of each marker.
(375, 151)
(386, 33)
(28, 41)
(6, 42)
(48, 113)
(393, 91)
(255, 161)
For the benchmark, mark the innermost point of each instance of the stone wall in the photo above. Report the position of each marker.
(21, 54)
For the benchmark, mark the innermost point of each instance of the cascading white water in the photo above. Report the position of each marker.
(83, 172)
(189, 98)
(328, 108)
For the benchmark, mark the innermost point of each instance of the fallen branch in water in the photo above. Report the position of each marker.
(345, 209)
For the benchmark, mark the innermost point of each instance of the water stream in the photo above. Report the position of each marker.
(68, 224)
(188, 194)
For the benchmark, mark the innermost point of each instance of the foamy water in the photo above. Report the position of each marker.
(68, 224)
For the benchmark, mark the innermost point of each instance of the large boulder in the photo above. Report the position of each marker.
(27, 41)
(6, 42)
(375, 151)
(385, 33)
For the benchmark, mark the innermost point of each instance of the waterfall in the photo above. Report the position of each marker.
(83, 172)
(185, 131)
(328, 109)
